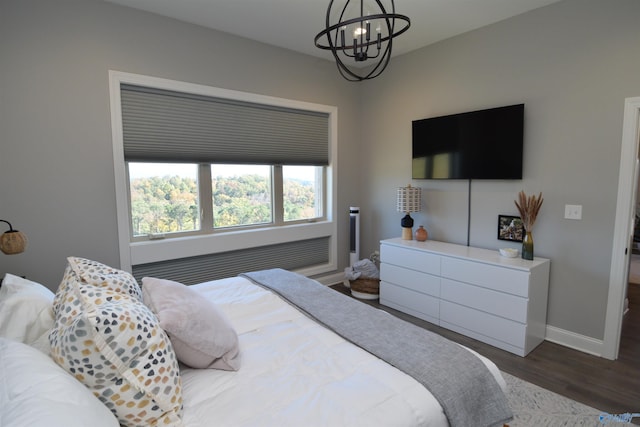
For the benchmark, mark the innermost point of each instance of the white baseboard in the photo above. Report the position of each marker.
(331, 279)
(575, 341)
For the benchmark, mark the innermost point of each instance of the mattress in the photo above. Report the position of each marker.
(297, 373)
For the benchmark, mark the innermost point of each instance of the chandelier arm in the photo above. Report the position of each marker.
(350, 75)
(387, 49)
(381, 65)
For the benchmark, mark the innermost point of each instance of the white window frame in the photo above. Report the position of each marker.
(205, 204)
(143, 252)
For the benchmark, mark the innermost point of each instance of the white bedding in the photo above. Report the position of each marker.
(295, 372)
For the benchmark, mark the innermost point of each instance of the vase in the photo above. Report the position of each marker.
(527, 246)
(421, 234)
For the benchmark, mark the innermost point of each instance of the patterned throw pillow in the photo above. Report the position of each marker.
(98, 274)
(110, 341)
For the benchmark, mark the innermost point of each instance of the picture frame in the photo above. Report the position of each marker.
(510, 228)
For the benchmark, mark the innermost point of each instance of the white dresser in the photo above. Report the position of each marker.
(476, 292)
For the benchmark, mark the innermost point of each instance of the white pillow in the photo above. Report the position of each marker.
(36, 392)
(200, 334)
(26, 310)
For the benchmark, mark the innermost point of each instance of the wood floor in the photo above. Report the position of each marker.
(611, 386)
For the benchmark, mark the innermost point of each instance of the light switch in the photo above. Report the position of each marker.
(573, 211)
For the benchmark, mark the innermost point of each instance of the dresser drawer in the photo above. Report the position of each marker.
(499, 328)
(501, 279)
(409, 258)
(410, 279)
(498, 303)
(406, 298)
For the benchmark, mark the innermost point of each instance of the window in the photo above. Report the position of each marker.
(241, 195)
(203, 171)
(303, 192)
(166, 197)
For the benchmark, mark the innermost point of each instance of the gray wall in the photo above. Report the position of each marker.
(56, 161)
(573, 64)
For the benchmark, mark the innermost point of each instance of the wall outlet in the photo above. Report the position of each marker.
(573, 211)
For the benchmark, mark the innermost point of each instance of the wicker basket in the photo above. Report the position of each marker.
(365, 285)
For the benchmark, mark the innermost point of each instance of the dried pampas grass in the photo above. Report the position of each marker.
(528, 208)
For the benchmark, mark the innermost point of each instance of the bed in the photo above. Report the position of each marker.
(272, 363)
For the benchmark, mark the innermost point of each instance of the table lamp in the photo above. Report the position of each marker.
(409, 199)
(12, 241)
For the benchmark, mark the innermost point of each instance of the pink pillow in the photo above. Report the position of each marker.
(201, 335)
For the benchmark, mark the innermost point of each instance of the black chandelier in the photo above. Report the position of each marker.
(350, 39)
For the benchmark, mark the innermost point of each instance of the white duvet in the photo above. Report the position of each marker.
(295, 372)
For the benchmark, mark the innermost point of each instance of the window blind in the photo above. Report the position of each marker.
(197, 269)
(167, 126)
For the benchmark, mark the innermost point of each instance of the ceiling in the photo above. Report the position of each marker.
(293, 24)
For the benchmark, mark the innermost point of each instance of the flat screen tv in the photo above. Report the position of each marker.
(485, 144)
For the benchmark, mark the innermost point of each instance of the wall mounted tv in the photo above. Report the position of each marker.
(485, 144)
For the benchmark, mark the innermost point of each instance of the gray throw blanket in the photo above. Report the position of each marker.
(462, 384)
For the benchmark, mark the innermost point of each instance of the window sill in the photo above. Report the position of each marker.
(182, 247)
